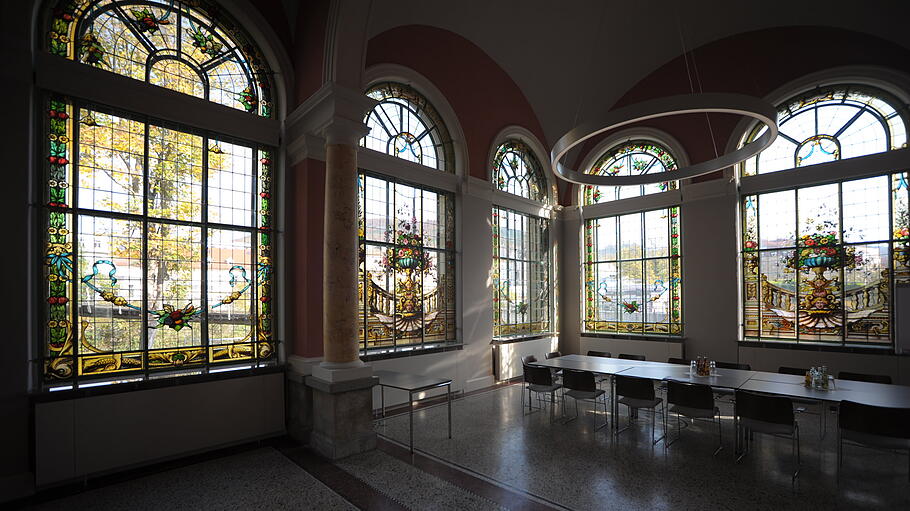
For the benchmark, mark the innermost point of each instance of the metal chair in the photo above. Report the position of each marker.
(680, 361)
(626, 356)
(692, 400)
(637, 393)
(528, 359)
(552, 354)
(822, 417)
(868, 378)
(732, 365)
(604, 354)
(772, 415)
(876, 427)
(580, 386)
(539, 380)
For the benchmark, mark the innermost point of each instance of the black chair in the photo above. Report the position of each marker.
(868, 378)
(877, 427)
(626, 356)
(528, 359)
(680, 361)
(637, 393)
(692, 400)
(604, 354)
(761, 413)
(822, 417)
(539, 380)
(732, 365)
(552, 354)
(580, 386)
(798, 371)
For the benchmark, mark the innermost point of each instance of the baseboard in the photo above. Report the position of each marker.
(17, 486)
(479, 383)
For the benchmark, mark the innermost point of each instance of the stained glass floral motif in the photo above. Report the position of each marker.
(404, 124)
(138, 279)
(819, 262)
(633, 273)
(521, 274)
(517, 171)
(189, 46)
(829, 124)
(407, 265)
(630, 159)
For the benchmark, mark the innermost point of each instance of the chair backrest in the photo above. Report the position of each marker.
(874, 420)
(537, 375)
(637, 388)
(528, 359)
(578, 380)
(604, 354)
(674, 360)
(690, 395)
(732, 365)
(799, 371)
(764, 408)
(869, 378)
(553, 354)
(626, 356)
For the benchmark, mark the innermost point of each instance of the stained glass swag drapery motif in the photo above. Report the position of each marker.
(404, 124)
(517, 171)
(150, 260)
(189, 46)
(407, 264)
(631, 158)
(633, 273)
(521, 274)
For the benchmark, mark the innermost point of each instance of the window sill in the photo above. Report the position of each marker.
(408, 351)
(810, 346)
(510, 339)
(634, 337)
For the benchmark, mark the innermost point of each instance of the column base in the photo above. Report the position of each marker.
(342, 416)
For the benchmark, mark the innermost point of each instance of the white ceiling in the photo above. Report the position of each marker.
(571, 56)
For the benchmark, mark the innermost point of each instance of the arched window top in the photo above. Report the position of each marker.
(517, 171)
(189, 46)
(406, 125)
(828, 124)
(631, 158)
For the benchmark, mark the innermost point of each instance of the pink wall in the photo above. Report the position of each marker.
(754, 63)
(484, 97)
(309, 49)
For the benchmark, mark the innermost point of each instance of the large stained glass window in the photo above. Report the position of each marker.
(521, 274)
(158, 248)
(829, 124)
(819, 262)
(631, 158)
(407, 265)
(632, 272)
(189, 46)
(517, 171)
(406, 125)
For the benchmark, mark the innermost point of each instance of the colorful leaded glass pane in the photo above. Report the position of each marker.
(633, 273)
(521, 274)
(517, 171)
(630, 159)
(405, 125)
(829, 124)
(407, 264)
(825, 262)
(140, 276)
(192, 47)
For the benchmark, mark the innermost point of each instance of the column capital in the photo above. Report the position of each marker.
(332, 115)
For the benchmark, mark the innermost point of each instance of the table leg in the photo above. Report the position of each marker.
(411, 419)
(382, 399)
(449, 399)
(614, 407)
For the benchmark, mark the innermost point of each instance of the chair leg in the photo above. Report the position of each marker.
(720, 436)
(796, 446)
(840, 453)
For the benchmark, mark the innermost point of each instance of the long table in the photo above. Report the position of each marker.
(412, 383)
(877, 394)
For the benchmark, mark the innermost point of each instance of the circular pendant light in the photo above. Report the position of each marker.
(739, 104)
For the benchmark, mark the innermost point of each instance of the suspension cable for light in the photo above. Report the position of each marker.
(739, 104)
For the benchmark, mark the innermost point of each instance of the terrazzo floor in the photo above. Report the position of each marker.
(570, 465)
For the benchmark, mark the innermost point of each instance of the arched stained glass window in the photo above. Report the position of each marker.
(517, 171)
(830, 124)
(192, 47)
(631, 158)
(405, 124)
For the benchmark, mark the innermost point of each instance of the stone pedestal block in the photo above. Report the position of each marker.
(299, 408)
(342, 416)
